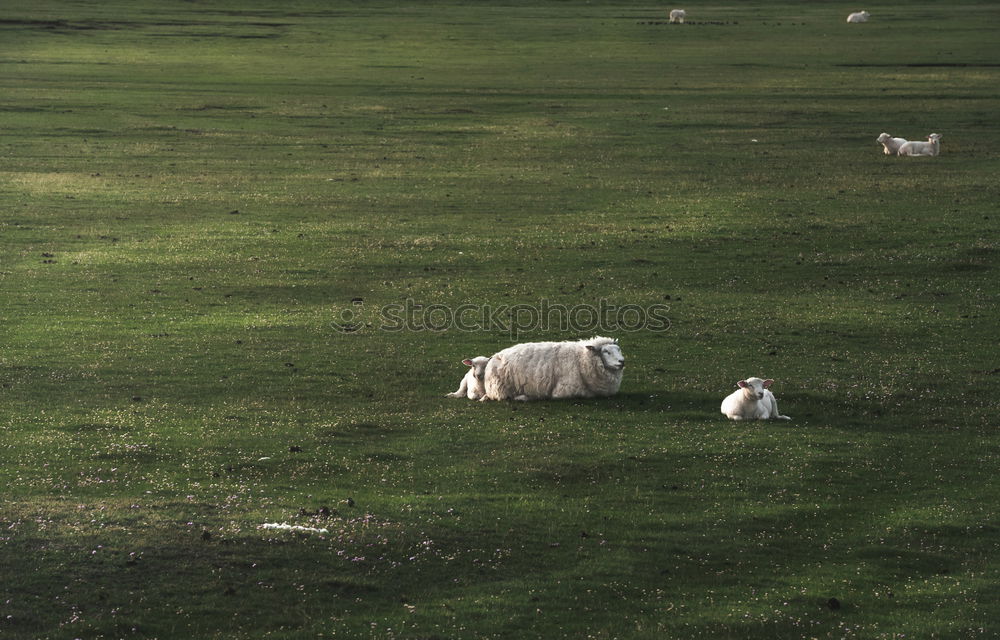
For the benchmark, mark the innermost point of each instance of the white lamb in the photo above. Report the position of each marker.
(472, 384)
(752, 401)
(890, 145)
(541, 370)
(930, 148)
(859, 16)
(677, 16)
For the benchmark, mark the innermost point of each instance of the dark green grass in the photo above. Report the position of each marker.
(198, 199)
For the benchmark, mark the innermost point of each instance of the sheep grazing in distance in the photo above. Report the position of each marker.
(677, 16)
(752, 401)
(890, 145)
(472, 384)
(930, 148)
(859, 16)
(544, 370)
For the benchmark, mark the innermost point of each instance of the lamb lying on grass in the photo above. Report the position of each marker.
(542, 370)
(677, 16)
(859, 16)
(472, 384)
(914, 148)
(889, 144)
(752, 401)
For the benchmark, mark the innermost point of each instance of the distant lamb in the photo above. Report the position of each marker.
(930, 148)
(859, 16)
(677, 16)
(542, 370)
(472, 384)
(890, 145)
(752, 401)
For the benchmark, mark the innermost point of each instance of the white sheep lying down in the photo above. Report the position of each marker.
(752, 401)
(472, 384)
(859, 16)
(677, 16)
(915, 148)
(890, 145)
(542, 370)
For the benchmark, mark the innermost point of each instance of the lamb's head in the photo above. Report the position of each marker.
(866, 14)
(610, 354)
(478, 365)
(753, 388)
(883, 137)
(934, 137)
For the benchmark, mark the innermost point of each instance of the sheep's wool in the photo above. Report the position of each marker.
(541, 370)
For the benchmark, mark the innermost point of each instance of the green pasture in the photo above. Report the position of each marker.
(244, 247)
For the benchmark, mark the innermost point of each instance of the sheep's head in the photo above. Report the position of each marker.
(882, 137)
(478, 365)
(753, 388)
(934, 137)
(610, 354)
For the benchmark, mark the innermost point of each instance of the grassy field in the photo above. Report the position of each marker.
(245, 246)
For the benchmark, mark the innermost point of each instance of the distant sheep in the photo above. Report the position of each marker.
(890, 145)
(542, 370)
(752, 401)
(859, 16)
(472, 384)
(930, 148)
(677, 16)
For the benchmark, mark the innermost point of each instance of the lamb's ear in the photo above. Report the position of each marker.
(768, 383)
(467, 362)
(742, 384)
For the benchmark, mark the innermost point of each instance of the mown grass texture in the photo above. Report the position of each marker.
(199, 198)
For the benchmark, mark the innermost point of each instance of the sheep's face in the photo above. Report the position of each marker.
(611, 356)
(478, 365)
(934, 137)
(883, 137)
(753, 388)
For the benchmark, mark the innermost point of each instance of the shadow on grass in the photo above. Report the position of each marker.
(632, 402)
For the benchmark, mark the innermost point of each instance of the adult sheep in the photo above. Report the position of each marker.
(915, 148)
(890, 145)
(677, 16)
(542, 370)
(859, 16)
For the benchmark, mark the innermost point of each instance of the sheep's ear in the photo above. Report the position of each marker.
(467, 362)
(741, 384)
(768, 383)
(594, 350)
